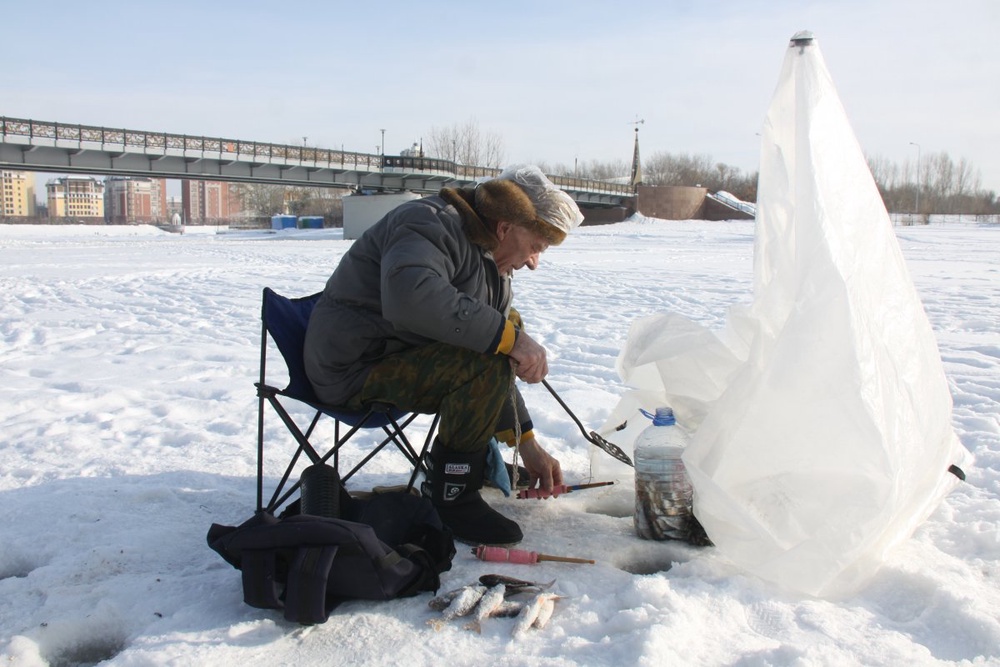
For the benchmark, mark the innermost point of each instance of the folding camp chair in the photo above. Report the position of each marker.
(285, 321)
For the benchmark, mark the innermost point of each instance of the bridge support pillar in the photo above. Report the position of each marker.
(363, 211)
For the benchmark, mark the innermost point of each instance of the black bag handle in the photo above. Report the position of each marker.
(305, 591)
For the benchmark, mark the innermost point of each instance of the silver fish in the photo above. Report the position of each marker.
(461, 605)
(545, 612)
(491, 599)
(441, 602)
(508, 609)
(662, 506)
(513, 584)
(530, 613)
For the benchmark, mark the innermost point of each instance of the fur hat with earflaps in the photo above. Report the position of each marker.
(483, 206)
(521, 195)
(497, 200)
(556, 212)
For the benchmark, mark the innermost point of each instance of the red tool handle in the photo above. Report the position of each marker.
(537, 493)
(504, 555)
(556, 490)
(519, 556)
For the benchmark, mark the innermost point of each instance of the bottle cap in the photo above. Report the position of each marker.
(664, 416)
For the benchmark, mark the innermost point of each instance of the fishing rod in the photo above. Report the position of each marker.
(520, 556)
(558, 490)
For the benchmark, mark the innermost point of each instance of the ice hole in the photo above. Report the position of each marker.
(649, 557)
(87, 653)
(83, 642)
(618, 505)
(646, 565)
(16, 566)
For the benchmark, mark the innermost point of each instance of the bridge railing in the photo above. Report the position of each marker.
(430, 165)
(163, 141)
(590, 185)
(733, 202)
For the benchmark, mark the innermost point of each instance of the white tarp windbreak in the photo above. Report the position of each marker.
(822, 413)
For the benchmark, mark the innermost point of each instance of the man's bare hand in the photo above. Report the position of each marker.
(543, 468)
(531, 364)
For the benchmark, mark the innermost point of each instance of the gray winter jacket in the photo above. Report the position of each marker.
(421, 274)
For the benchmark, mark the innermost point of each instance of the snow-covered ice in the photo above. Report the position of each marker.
(128, 418)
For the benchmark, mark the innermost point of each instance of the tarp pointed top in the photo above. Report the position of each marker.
(802, 38)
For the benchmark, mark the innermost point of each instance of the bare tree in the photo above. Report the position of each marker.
(325, 202)
(466, 144)
(941, 185)
(557, 169)
(668, 169)
(967, 180)
(605, 171)
(889, 177)
(699, 170)
(260, 199)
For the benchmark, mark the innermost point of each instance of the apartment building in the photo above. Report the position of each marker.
(208, 201)
(17, 194)
(131, 200)
(75, 197)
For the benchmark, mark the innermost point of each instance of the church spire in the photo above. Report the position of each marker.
(636, 180)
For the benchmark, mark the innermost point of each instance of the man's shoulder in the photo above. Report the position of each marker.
(426, 213)
(430, 206)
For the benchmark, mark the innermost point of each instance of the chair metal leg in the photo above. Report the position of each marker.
(423, 452)
(260, 454)
(395, 435)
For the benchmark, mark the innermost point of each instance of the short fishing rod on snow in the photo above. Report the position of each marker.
(520, 556)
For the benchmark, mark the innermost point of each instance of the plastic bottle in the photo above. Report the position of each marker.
(662, 487)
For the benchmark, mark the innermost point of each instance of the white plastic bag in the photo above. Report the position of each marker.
(823, 414)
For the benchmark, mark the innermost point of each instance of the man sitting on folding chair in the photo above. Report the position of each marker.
(418, 315)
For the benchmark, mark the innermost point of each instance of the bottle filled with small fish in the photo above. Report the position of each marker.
(663, 491)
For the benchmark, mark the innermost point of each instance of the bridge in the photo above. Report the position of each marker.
(32, 145)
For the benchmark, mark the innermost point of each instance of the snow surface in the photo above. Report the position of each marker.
(128, 418)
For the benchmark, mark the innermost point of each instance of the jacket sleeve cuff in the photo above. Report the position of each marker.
(507, 338)
(507, 436)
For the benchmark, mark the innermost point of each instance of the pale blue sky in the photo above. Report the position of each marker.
(556, 80)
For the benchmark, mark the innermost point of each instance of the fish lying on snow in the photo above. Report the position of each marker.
(533, 611)
(488, 599)
(508, 609)
(514, 585)
(545, 611)
(461, 605)
(488, 604)
(441, 602)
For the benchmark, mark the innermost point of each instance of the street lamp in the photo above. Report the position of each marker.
(913, 143)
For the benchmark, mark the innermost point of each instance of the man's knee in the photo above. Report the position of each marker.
(464, 366)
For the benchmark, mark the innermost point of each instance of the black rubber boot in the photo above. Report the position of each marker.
(453, 484)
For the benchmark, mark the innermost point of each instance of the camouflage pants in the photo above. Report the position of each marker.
(471, 391)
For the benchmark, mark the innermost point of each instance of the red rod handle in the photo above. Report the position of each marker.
(557, 490)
